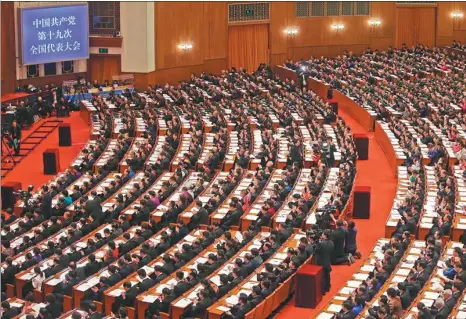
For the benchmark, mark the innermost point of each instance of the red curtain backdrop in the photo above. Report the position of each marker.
(248, 46)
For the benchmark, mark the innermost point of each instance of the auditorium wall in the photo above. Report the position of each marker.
(205, 25)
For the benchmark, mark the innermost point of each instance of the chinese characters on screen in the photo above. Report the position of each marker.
(63, 38)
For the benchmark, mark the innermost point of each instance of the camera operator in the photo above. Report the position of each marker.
(328, 151)
(338, 236)
(14, 139)
(46, 203)
(324, 250)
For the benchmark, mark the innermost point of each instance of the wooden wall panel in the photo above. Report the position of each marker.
(449, 29)
(103, 67)
(444, 20)
(318, 51)
(8, 74)
(405, 32)
(386, 13)
(281, 19)
(216, 19)
(460, 24)
(174, 75)
(381, 43)
(425, 20)
(178, 22)
(278, 58)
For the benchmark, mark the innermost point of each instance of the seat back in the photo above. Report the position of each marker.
(259, 310)
(250, 314)
(10, 291)
(268, 306)
(67, 303)
(99, 306)
(38, 296)
(131, 312)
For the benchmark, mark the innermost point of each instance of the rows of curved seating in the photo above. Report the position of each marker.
(410, 98)
(154, 161)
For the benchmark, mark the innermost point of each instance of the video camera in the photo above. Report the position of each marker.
(24, 194)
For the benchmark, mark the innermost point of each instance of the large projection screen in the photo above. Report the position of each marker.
(53, 34)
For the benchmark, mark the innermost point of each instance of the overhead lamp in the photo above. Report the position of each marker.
(291, 31)
(375, 22)
(457, 15)
(185, 46)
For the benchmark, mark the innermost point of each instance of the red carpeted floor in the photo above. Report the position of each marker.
(30, 169)
(376, 173)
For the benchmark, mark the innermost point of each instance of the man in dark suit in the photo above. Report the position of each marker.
(114, 276)
(181, 285)
(325, 249)
(8, 311)
(92, 266)
(93, 314)
(163, 304)
(338, 237)
(8, 276)
(53, 307)
(255, 297)
(239, 310)
(146, 282)
(199, 309)
(345, 312)
(127, 297)
(46, 203)
(200, 217)
(405, 297)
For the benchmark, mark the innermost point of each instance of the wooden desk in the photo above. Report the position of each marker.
(106, 155)
(145, 299)
(390, 145)
(204, 197)
(156, 150)
(135, 145)
(86, 110)
(156, 187)
(399, 274)
(364, 117)
(20, 258)
(218, 215)
(232, 150)
(362, 274)
(401, 192)
(183, 147)
(217, 309)
(252, 215)
(255, 162)
(430, 292)
(322, 200)
(459, 221)
(80, 288)
(189, 181)
(177, 307)
(430, 196)
(114, 291)
(25, 276)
